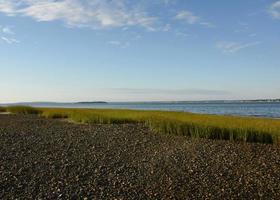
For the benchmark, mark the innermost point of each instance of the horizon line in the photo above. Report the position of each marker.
(152, 101)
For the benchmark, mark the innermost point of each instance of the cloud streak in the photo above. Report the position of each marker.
(6, 35)
(169, 92)
(187, 16)
(9, 40)
(89, 13)
(161, 94)
(190, 18)
(119, 44)
(7, 30)
(233, 47)
(96, 14)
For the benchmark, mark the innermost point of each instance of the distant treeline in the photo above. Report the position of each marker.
(262, 100)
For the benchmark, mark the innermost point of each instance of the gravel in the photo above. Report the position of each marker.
(54, 159)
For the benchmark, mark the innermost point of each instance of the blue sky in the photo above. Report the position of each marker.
(139, 50)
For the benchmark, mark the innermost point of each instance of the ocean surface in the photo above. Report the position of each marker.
(256, 109)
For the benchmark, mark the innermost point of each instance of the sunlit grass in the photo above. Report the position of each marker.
(22, 110)
(176, 123)
(180, 123)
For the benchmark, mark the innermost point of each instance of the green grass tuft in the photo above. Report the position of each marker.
(23, 110)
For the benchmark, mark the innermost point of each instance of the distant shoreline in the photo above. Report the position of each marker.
(163, 102)
(252, 108)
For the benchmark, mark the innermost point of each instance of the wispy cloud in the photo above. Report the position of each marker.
(97, 14)
(169, 92)
(166, 2)
(232, 47)
(119, 43)
(181, 34)
(7, 7)
(274, 10)
(242, 28)
(207, 24)
(7, 35)
(89, 13)
(161, 94)
(7, 30)
(187, 16)
(190, 18)
(166, 28)
(9, 40)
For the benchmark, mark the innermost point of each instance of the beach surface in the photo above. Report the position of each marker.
(54, 159)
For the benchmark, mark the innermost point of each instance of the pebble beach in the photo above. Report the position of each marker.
(54, 159)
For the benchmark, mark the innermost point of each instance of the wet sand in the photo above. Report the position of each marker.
(52, 159)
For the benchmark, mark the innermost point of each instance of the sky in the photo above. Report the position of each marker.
(139, 50)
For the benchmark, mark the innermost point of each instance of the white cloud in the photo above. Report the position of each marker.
(89, 13)
(7, 30)
(181, 34)
(187, 16)
(7, 7)
(232, 47)
(114, 42)
(9, 40)
(166, 2)
(274, 10)
(6, 34)
(207, 24)
(190, 18)
(166, 28)
(119, 43)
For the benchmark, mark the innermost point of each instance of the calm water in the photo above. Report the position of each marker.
(271, 110)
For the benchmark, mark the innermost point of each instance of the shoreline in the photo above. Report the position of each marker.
(246, 129)
(220, 108)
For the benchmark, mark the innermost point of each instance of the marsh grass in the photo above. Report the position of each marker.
(2, 109)
(23, 110)
(180, 123)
